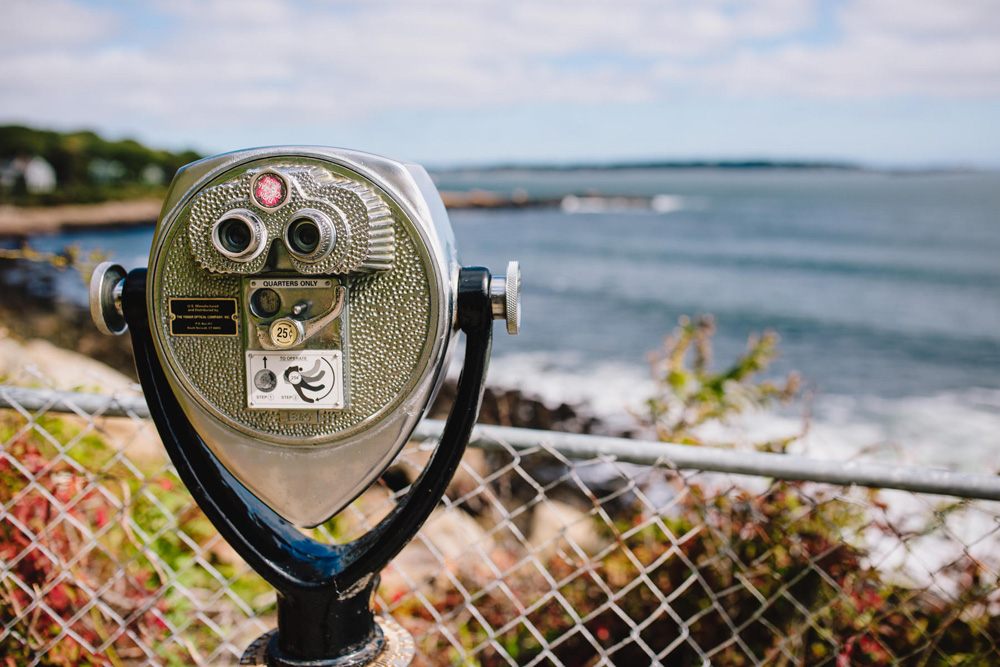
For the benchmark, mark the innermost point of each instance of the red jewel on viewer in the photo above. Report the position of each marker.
(269, 190)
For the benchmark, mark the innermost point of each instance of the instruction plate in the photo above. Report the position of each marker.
(207, 316)
(303, 380)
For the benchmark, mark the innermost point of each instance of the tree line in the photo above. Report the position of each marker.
(87, 168)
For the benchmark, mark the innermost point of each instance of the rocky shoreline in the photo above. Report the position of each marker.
(70, 327)
(20, 222)
(59, 348)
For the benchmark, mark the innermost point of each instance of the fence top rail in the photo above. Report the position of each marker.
(572, 445)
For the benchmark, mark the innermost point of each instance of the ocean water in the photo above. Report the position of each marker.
(884, 289)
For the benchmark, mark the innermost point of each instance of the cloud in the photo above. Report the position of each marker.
(218, 62)
(935, 20)
(886, 48)
(51, 24)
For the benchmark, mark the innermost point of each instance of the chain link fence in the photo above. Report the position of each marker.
(549, 549)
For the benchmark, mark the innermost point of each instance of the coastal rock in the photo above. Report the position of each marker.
(40, 364)
(41, 361)
(19, 221)
(512, 407)
(560, 527)
(450, 542)
(27, 317)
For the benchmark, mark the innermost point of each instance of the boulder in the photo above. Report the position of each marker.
(450, 542)
(559, 527)
(40, 364)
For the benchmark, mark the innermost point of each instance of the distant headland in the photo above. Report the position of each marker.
(53, 180)
(661, 164)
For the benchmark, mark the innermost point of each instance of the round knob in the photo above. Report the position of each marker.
(286, 332)
(505, 297)
(106, 298)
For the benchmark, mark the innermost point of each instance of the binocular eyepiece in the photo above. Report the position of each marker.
(302, 304)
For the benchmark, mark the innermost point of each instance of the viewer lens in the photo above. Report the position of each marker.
(235, 235)
(238, 235)
(310, 235)
(303, 236)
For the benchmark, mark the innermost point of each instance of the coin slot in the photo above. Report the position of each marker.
(265, 303)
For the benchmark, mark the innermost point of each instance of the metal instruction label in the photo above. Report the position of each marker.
(202, 317)
(301, 380)
(291, 283)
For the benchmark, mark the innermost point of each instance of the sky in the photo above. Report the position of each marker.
(469, 82)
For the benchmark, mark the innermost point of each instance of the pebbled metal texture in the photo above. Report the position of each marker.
(386, 353)
(364, 223)
(396, 332)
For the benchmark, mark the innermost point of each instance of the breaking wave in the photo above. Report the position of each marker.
(957, 429)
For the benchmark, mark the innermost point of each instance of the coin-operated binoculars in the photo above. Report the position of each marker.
(294, 324)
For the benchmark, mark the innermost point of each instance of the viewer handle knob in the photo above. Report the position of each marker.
(106, 298)
(505, 297)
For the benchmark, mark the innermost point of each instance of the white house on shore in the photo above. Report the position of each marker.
(39, 176)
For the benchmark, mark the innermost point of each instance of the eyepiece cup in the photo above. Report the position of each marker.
(303, 236)
(239, 235)
(310, 235)
(235, 235)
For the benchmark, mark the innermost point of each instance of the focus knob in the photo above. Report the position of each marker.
(505, 297)
(106, 298)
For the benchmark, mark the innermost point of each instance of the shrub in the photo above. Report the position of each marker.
(721, 575)
(690, 394)
(103, 562)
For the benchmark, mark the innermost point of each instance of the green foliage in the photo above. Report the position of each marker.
(88, 168)
(778, 578)
(70, 257)
(88, 523)
(753, 579)
(690, 394)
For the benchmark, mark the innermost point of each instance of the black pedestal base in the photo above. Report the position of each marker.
(397, 650)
